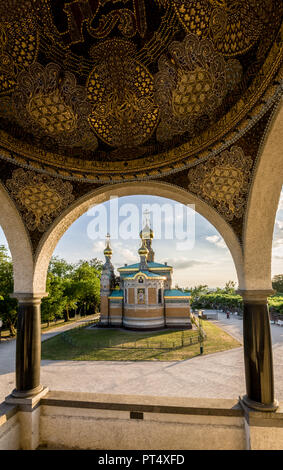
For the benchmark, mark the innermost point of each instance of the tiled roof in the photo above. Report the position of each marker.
(176, 293)
(117, 293)
(147, 273)
(150, 264)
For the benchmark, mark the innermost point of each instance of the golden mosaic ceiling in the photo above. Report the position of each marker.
(123, 89)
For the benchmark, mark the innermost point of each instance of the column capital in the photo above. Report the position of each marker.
(255, 296)
(29, 298)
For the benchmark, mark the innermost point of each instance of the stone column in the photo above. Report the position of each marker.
(258, 351)
(28, 346)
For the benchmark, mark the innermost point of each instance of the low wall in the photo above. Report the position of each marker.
(70, 420)
(135, 422)
(9, 427)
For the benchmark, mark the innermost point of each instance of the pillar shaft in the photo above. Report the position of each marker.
(28, 346)
(258, 352)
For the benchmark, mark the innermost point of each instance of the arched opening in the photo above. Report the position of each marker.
(8, 305)
(262, 206)
(103, 194)
(18, 243)
(277, 246)
(209, 241)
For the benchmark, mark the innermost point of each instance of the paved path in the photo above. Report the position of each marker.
(219, 375)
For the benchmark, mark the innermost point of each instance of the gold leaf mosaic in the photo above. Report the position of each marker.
(121, 92)
(234, 26)
(48, 102)
(223, 181)
(192, 82)
(40, 197)
(18, 50)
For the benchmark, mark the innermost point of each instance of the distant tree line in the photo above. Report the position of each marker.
(227, 299)
(73, 288)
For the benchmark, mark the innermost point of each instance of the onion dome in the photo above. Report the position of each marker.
(108, 249)
(146, 232)
(143, 251)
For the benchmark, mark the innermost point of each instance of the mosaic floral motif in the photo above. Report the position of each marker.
(234, 26)
(48, 102)
(121, 92)
(40, 197)
(223, 181)
(18, 50)
(191, 83)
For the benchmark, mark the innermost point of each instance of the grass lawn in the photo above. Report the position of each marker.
(81, 344)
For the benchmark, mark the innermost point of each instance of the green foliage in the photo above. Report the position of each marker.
(276, 303)
(8, 306)
(71, 288)
(53, 306)
(218, 301)
(277, 283)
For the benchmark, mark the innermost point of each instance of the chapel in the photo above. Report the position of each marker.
(144, 298)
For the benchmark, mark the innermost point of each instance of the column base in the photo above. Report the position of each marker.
(254, 405)
(27, 393)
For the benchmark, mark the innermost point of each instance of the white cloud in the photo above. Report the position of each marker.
(216, 240)
(98, 246)
(186, 263)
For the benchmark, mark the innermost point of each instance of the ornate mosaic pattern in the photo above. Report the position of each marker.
(191, 84)
(223, 181)
(234, 26)
(48, 102)
(40, 197)
(138, 105)
(121, 92)
(19, 43)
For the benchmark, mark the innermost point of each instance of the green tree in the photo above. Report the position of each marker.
(53, 306)
(230, 288)
(87, 277)
(277, 283)
(60, 268)
(8, 306)
(71, 293)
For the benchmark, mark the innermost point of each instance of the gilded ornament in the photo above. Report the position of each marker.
(223, 181)
(19, 43)
(49, 103)
(40, 197)
(233, 26)
(121, 92)
(192, 82)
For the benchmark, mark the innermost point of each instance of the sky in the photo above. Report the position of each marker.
(183, 238)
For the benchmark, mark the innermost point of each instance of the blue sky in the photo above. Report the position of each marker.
(205, 260)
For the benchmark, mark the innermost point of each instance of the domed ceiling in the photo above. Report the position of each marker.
(123, 89)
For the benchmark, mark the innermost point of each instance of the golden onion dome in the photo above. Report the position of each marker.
(143, 251)
(146, 232)
(108, 249)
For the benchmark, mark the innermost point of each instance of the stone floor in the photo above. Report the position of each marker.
(219, 375)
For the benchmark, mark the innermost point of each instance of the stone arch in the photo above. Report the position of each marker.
(18, 241)
(262, 207)
(98, 196)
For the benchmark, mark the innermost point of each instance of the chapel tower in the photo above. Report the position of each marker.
(107, 283)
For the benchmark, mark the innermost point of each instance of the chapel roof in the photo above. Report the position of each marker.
(151, 266)
(117, 293)
(146, 273)
(176, 293)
